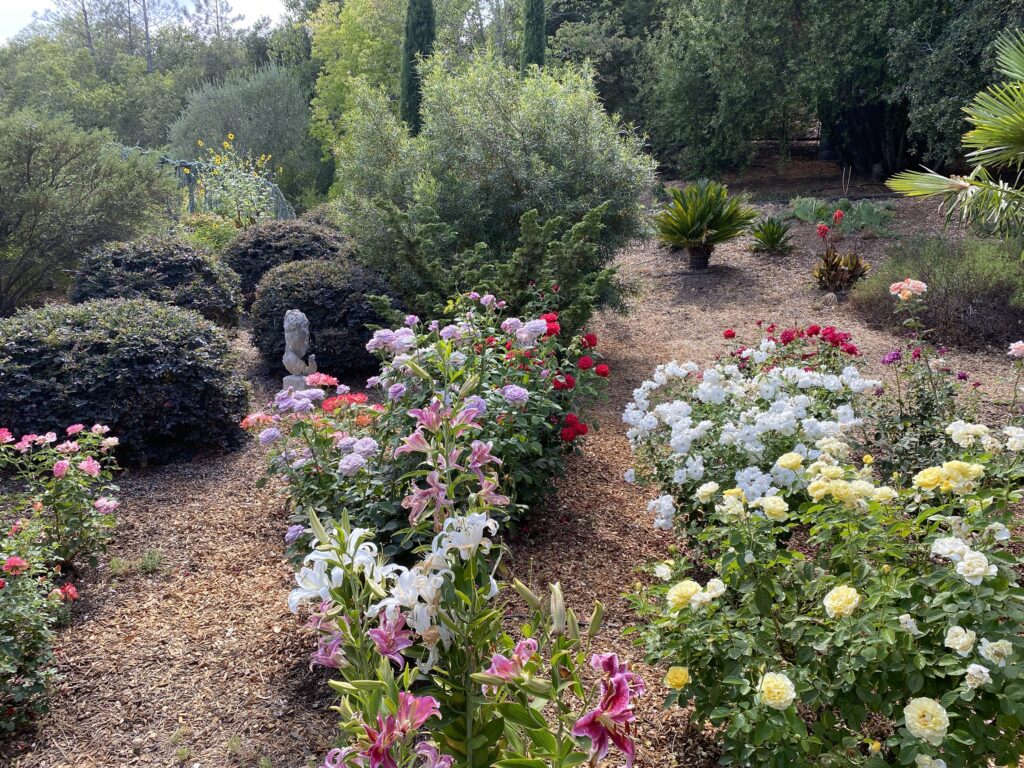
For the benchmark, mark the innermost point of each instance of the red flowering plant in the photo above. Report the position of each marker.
(813, 347)
(525, 384)
(837, 271)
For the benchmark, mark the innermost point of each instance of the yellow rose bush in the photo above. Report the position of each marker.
(847, 611)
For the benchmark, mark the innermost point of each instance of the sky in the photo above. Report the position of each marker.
(17, 14)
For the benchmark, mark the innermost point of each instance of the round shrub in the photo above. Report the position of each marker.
(161, 377)
(279, 241)
(333, 295)
(162, 269)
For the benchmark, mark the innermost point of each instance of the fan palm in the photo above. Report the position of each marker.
(702, 216)
(996, 141)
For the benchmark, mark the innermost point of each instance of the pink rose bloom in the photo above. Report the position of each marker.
(908, 288)
(105, 506)
(1017, 349)
(90, 466)
(6, 436)
(108, 443)
(68, 446)
(99, 429)
(15, 565)
(61, 468)
(74, 429)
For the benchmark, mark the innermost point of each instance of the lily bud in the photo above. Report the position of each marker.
(471, 384)
(538, 685)
(418, 370)
(572, 625)
(527, 594)
(558, 617)
(595, 620)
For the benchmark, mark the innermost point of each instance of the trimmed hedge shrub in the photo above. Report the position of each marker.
(161, 377)
(333, 295)
(270, 243)
(162, 269)
(975, 288)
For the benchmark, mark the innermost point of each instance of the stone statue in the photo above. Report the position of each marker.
(296, 343)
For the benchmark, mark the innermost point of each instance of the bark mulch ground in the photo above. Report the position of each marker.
(203, 655)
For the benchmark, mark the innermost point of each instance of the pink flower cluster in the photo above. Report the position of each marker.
(609, 722)
(908, 288)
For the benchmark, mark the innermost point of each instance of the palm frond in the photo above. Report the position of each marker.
(997, 115)
(703, 214)
(1010, 54)
(976, 199)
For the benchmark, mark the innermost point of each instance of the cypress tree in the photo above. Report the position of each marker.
(419, 41)
(534, 33)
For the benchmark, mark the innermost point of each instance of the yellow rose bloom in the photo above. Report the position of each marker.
(790, 461)
(680, 594)
(841, 601)
(868, 459)
(735, 493)
(885, 494)
(832, 472)
(927, 720)
(777, 691)
(874, 747)
(929, 479)
(774, 507)
(677, 678)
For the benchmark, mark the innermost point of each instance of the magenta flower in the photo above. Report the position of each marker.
(391, 638)
(430, 417)
(479, 457)
(378, 754)
(416, 442)
(506, 668)
(329, 652)
(435, 493)
(487, 494)
(61, 467)
(431, 757)
(609, 722)
(414, 711)
(338, 758)
(90, 466)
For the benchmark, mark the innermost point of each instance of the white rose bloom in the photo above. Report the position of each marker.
(749, 558)
(663, 571)
(997, 652)
(977, 676)
(974, 568)
(715, 588)
(927, 720)
(701, 598)
(964, 434)
(777, 691)
(1015, 438)
(951, 548)
(908, 624)
(706, 492)
(998, 532)
(960, 640)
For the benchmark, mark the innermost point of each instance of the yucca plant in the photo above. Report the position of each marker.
(702, 216)
(771, 235)
(996, 141)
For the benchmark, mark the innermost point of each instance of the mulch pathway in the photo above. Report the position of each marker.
(204, 654)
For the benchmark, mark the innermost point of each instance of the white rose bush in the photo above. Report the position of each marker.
(825, 613)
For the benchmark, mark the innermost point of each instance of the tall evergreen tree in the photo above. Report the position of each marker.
(419, 41)
(534, 33)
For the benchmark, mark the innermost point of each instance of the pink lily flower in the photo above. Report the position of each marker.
(436, 492)
(378, 754)
(609, 664)
(506, 668)
(430, 417)
(329, 653)
(487, 495)
(414, 711)
(414, 443)
(479, 457)
(609, 722)
(431, 757)
(391, 638)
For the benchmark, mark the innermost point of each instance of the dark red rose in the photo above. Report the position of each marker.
(586, 363)
(729, 333)
(602, 370)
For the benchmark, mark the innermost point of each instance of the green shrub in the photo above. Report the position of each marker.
(494, 145)
(162, 269)
(702, 216)
(161, 377)
(267, 110)
(270, 243)
(975, 288)
(334, 296)
(858, 216)
(208, 231)
(771, 235)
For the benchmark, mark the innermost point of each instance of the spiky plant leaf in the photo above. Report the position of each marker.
(703, 215)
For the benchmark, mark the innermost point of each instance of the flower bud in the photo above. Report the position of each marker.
(558, 617)
(527, 594)
(573, 625)
(595, 620)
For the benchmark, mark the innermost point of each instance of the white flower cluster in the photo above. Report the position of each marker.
(972, 565)
(731, 424)
(327, 567)
(967, 435)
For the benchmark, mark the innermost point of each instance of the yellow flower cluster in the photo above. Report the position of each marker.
(955, 476)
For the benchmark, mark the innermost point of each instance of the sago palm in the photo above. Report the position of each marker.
(701, 216)
(996, 141)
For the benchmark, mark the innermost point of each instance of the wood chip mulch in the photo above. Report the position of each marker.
(202, 665)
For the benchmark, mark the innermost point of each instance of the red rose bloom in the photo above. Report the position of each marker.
(729, 333)
(788, 336)
(568, 434)
(602, 370)
(564, 381)
(813, 330)
(549, 317)
(553, 329)
(586, 363)
(589, 341)
(581, 429)
(572, 419)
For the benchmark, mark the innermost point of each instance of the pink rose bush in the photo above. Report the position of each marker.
(847, 590)
(403, 579)
(62, 514)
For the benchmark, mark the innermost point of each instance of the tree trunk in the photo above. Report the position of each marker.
(699, 257)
